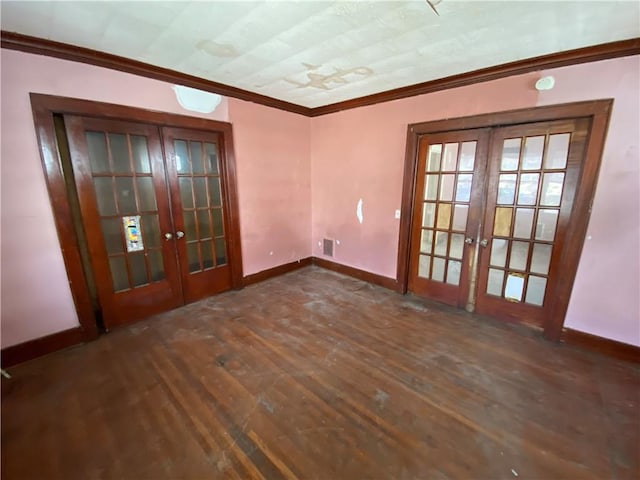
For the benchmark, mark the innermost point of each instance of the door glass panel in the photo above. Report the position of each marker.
(431, 187)
(494, 282)
(221, 251)
(156, 265)
(444, 216)
(428, 214)
(193, 257)
(207, 254)
(186, 195)
(546, 224)
(519, 255)
(218, 225)
(214, 191)
(502, 222)
(126, 195)
(523, 222)
(97, 151)
(467, 156)
(433, 158)
(138, 269)
(119, 277)
(200, 190)
(457, 245)
(446, 187)
(441, 243)
(211, 160)
(204, 224)
(438, 269)
(498, 252)
(424, 264)
(541, 258)
(557, 151)
(112, 234)
(147, 194)
(514, 287)
(450, 157)
(426, 242)
(140, 153)
(453, 272)
(528, 190)
(460, 213)
(189, 225)
(510, 154)
(150, 231)
(182, 157)
(552, 189)
(463, 190)
(507, 188)
(535, 290)
(196, 158)
(104, 196)
(119, 153)
(532, 156)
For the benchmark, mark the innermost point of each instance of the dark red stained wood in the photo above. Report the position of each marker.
(598, 111)
(370, 277)
(603, 346)
(276, 271)
(65, 51)
(23, 352)
(201, 284)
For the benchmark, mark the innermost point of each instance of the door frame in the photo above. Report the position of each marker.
(44, 107)
(598, 111)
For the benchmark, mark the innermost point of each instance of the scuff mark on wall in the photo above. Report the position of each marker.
(359, 211)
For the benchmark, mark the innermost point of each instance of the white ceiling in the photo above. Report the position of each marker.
(314, 53)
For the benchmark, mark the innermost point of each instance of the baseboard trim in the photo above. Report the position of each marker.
(386, 282)
(41, 346)
(276, 271)
(604, 346)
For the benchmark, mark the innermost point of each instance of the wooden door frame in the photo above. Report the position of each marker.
(44, 107)
(598, 111)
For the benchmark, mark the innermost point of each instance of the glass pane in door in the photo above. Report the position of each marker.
(126, 199)
(525, 215)
(200, 192)
(445, 208)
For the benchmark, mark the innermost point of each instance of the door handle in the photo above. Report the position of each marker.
(484, 242)
(179, 234)
(168, 236)
(468, 240)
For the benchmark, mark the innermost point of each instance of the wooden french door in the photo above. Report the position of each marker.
(155, 225)
(491, 212)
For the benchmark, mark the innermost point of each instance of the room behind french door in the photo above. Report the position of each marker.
(492, 209)
(154, 210)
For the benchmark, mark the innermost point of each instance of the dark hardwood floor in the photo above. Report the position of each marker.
(314, 375)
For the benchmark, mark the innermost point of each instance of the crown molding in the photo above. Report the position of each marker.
(40, 46)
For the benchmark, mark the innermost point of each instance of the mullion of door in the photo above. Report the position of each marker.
(211, 271)
(134, 303)
(497, 305)
(444, 205)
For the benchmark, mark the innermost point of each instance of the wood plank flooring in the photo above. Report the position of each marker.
(314, 375)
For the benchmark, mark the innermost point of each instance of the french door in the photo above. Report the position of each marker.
(491, 212)
(155, 219)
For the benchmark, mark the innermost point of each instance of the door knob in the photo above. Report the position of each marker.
(179, 234)
(168, 236)
(468, 240)
(484, 242)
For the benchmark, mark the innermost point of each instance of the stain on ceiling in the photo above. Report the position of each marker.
(315, 53)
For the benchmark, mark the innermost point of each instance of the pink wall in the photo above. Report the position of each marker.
(359, 154)
(276, 198)
(606, 294)
(36, 299)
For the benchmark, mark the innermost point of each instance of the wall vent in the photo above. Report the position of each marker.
(327, 247)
